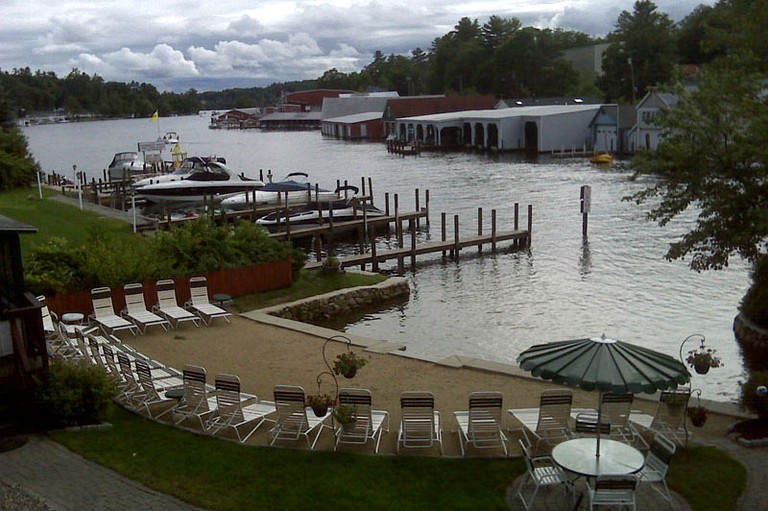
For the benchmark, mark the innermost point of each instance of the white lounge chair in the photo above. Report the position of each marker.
(419, 421)
(232, 414)
(613, 491)
(152, 388)
(293, 420)
(654, 472)
(196, 403)
(542, 472)
(104, 312)
(669, 419)
(200, 304)
(480, 426)
(136, 309)
(368, 424)
(550, 421)
(167, 305)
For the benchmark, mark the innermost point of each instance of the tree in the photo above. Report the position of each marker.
(641, 53)
(709, 161)
(17, 167)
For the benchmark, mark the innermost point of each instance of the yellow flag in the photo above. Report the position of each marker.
(154, 117)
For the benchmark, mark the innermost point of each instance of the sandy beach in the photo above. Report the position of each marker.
(265, 351)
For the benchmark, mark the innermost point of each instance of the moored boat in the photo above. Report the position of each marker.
(341, 209)
(187, 165)
(213, 180)
(124, 165)
(295, 185)
(602, 159)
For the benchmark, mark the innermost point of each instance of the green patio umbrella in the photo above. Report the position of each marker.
(606, 365)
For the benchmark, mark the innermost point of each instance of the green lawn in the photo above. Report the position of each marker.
(222, 475)
(53, 218)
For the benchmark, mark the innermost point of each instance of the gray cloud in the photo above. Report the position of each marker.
(175, 43)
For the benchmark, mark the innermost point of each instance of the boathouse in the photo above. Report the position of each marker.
(426, 105)
(646, 134)
(364, 126)
(533, 129)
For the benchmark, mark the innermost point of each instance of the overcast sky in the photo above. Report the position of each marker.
(212, 45)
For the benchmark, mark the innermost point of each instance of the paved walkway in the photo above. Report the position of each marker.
(56, 479)
(65, 481)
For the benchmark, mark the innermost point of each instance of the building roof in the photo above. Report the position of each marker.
(554, 100)
(341, 106)
(11, 225)
(291, 116)
(503, 113)
(423, 105)
(355, 118)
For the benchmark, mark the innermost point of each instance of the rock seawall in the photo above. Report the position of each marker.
(748, 332)
(325, 306)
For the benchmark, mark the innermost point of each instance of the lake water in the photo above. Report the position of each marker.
(617, 282)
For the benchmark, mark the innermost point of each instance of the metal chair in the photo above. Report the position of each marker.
(480, 426)
(542, 472)
(613, 491)
(368, 424)
(419, 421)
(657, 461)
(589, 423)
(550, 421)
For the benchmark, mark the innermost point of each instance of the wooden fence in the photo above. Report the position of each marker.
(234, 282)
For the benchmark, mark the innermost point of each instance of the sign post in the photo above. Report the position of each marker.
(586, 203)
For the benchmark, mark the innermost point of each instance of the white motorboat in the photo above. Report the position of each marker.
(187, 165)
(343, 208)
(295, 185)
(125, 164)
(213, 181)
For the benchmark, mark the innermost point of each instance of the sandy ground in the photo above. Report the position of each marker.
(264, 355)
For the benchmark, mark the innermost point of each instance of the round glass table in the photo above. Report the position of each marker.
(580, 457)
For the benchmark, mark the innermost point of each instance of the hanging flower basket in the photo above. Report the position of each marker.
(698, 415)
(703, 359)
(347, 364)
(320, 404)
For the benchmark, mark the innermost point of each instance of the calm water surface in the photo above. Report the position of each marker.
(616, 282)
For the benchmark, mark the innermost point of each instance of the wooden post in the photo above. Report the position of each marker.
(585, 201)
(398, 224)
(530, 223)
(426, 204)
(318, 248)
(374, 260)
(456, 237)
(516, 242)
(480, 230)
(386, 203)
(443, 236)
(370, 189)
(417, 206)
(493, 231)
(413, 246)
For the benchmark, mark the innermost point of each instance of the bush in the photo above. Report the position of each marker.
(754, 305)
(73, 393)
(750, 399)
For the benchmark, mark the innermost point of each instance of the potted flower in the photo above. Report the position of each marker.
(346, 415)
(698, 415)
(702, 359)
(347, 364)
(331, 264)
(320, 403)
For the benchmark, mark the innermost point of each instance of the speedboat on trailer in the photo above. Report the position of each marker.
(339, 210)
(295, 184)
(214, 180)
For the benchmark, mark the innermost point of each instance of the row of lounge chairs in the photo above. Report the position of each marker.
(136, 317)
(555, 420)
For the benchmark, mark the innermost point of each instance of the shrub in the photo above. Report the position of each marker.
(73, 393)
(753, 401)
(754, 305)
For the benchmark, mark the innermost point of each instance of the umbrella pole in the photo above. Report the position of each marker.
(599, 425)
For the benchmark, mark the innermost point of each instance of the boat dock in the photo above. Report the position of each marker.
(369, 255)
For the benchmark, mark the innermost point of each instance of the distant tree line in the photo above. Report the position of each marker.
(500, 57)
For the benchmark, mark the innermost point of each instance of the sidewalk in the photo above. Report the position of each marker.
(52, 478)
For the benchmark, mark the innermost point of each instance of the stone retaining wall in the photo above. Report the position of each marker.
(325, 306)
(748, 332)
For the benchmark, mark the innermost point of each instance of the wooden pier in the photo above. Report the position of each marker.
(448, 248)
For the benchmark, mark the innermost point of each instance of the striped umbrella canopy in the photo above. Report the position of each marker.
(604, 364)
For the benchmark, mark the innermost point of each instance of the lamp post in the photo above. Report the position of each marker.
(79, 188)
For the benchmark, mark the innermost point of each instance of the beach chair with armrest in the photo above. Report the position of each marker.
(612, 491)
(550, 421)
(542, 472)
(618, 407)
(294, 419)
(590, 424)
(235, 412)
(136, 309)
(419, 421)
(368, 424)
(669, 419)
(480, 426)
(654, 472)
(167, 305)
(104, 312)
(200, 304)
(196, 404)
(152, 388)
